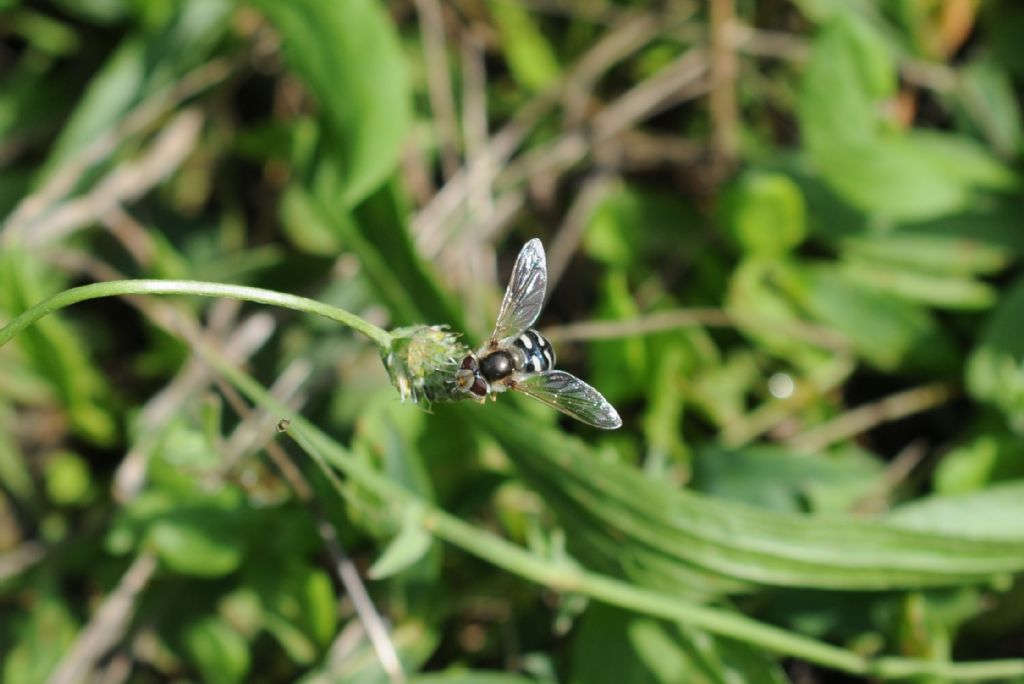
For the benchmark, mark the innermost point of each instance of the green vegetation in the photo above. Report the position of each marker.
(783, 239)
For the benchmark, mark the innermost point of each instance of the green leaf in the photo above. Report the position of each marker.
(736, 660)
(612, 235)
(995, 368)
(411, 544)
(377, 232)
(776, 478)
(1003, 23)
(941, 291)
(44, 33)
(888, 332)
(962, 159)
(68, 480)
(299, 606)
(985, 94)
(15, 477)
(735, 540)
(766, 214)
(202, 538)
(414, 641)
(619, 366)
(326, 219)
(616, 646)
(218, 651)
(187, 548)
(187, 449)
(992, 456)
(55, 349)
(530, 56)
(846, 52)
(911, 176)
(386, 436)
(142, 64)
(318, 613)
(97, 11)
(41, 641)
(665, 444)
(993, 513)
(303, 224)
(350, 57)
(471, 677)
(721, 390)
(391, 434)
(114, 89)
(754, 294)
(720, 621)
(954, 254)
(607, 651)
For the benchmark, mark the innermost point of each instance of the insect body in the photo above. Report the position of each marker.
(540, 356)
(519, 358)
(528, 353)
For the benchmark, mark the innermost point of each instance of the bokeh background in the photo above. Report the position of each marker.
(784, 240)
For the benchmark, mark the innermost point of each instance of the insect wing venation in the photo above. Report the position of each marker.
(524, 296)
(572, 396)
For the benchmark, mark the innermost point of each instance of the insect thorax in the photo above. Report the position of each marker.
(497, 365)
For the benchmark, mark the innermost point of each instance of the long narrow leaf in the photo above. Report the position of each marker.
(735, 540)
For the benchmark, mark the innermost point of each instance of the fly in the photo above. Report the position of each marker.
(517, 357)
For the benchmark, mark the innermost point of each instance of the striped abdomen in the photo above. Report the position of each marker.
(539, 355)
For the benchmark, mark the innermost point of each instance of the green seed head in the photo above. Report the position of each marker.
(423, 361)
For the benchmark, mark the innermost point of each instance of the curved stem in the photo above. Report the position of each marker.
(329, 455)
(117, 288)
(562, 577)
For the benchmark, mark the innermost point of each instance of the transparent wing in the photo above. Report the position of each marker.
(571, 396)
(524, 296)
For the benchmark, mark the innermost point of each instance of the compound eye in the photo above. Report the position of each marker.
(479, 387)
(469, 363)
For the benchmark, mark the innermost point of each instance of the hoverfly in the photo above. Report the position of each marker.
(517, 357)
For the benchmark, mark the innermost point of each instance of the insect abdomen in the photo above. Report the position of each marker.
(540, 356)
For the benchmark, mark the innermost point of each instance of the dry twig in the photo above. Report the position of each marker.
(864, 418)
(125, 183)
(130, 475)
(20, 559)
(774, 412)
(567, 239)
(439, 84)
(143, 117)
(680, 81)
(663, 321)
(725, 116)
(474, 126)
(238, 346)
(345, 569)
(429, 225)
(108, 624)
(256, 430)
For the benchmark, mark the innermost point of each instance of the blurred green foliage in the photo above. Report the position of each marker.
(797, 235)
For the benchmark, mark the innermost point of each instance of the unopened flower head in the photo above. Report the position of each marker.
(423, 361)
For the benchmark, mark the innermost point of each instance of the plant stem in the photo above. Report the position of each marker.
(118, 288)
(560, 576)
(565, 577)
